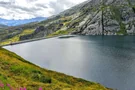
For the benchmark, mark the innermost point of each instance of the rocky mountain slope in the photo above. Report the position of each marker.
(93, 17)
(105, 17)
(97, 17)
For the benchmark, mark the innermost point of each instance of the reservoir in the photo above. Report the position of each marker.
(108, 60)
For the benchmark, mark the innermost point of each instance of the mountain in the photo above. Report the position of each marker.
(15, 72)
(3, 26)
(20, 22)
(92, 17)
(102, 17)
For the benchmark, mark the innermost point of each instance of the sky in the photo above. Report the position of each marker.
(26, 9)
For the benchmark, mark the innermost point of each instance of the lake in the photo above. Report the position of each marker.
(109, 60)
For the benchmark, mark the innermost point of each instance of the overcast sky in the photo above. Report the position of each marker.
(26, 9)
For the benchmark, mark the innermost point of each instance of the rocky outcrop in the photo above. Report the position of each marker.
(118, 18)
(39, 29)
(39, 32)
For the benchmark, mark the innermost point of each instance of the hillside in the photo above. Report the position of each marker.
(15, 72)
(93, 17)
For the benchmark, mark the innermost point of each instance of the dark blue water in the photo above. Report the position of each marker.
(109, 60)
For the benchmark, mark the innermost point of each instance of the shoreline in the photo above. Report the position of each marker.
(62, 36)
(36, 39)
(25, 41)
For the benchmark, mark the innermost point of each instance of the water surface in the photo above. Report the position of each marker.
(109, 60)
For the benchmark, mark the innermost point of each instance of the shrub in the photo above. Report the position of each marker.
(38, 76)
(45, 79)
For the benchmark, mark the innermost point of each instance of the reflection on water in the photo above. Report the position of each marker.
(109, 60)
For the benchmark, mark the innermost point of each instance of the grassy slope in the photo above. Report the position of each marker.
(16, 38)
(17, 72)
(60, 32)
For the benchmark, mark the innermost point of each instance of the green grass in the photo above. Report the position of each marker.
(18, 72)
(122, 30)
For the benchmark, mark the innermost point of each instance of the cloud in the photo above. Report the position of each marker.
(26, 9)
(41, 5)
(60, 5)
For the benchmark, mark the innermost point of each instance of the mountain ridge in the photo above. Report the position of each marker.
(92, 17)
(118, 17)
(20, 22)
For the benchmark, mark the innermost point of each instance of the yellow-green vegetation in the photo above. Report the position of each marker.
(68, 18)
(18, 72)
(61, 32)
(16, 38)
(67, 23)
